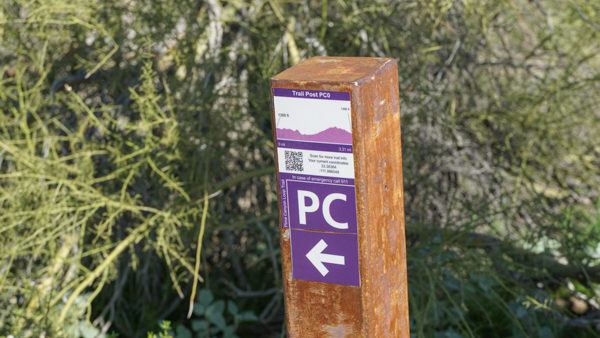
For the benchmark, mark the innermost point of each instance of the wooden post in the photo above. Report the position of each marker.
(336, 123)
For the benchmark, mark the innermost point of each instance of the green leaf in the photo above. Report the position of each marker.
(165, 325)
(205, 297)
(247, 316)
(217, 307)
(232, 308)
(200, 325)
(182, 332)
(216, 318)
(199, 309)
(214, 314)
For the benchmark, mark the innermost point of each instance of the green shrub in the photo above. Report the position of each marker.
(133, 132)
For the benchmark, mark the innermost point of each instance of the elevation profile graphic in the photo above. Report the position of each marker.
(329, 135)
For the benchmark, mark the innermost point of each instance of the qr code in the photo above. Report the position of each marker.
(294, 161)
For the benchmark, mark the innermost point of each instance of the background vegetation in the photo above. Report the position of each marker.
(133, 131)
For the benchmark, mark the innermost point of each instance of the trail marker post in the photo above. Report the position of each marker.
(336, 124)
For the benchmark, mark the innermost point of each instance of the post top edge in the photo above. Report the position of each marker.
(341, 69)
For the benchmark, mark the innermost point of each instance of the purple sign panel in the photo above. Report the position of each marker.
(324, 257)
(316, 183)
(322, 207)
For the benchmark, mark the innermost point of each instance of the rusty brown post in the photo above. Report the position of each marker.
(336, 123)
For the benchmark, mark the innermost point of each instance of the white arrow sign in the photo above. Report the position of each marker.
(317, 258)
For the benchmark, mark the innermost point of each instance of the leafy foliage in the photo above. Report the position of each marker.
(135, 135)
(211, 318)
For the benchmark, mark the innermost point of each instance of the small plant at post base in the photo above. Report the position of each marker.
(165, 331)
(212, 318)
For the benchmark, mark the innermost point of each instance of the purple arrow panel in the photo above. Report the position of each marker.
(325, 257)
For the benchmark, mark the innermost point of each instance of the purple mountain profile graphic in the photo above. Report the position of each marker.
(330, 135)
